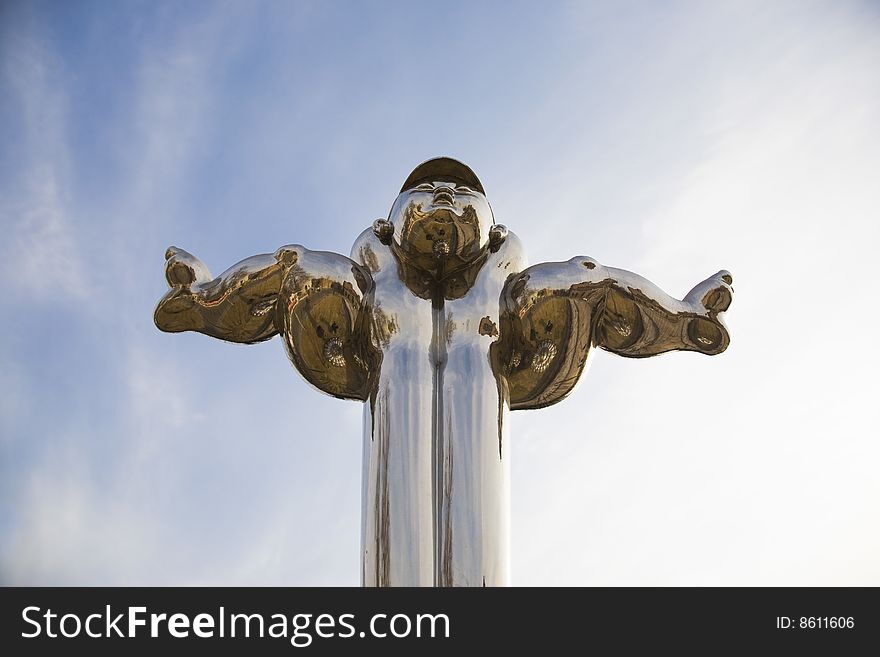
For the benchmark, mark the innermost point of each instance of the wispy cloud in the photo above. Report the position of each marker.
(71, 528)
(42, 245)
(688, 489)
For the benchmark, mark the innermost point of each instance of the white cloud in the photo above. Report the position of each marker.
(754, 467)
(70, 529)
(86, 512)
(14, 399)
(175, 96)
(42, 247)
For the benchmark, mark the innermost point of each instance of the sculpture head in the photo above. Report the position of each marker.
(441, 219)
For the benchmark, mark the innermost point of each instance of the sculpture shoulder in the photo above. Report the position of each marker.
(508, 259)
(300, 263)
(369, 252)
(514, 249)
(547, 322)
(320, 315)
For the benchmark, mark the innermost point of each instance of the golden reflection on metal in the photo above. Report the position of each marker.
(435, 322)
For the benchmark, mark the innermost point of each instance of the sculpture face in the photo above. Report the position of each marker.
(441, 226)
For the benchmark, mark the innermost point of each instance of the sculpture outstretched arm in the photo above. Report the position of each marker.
(637, 319)
(237, 306)
(555, 312)
(316, 300)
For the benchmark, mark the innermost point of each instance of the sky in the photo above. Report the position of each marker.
(671, 139)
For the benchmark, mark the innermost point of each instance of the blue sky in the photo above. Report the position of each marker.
(672, 140)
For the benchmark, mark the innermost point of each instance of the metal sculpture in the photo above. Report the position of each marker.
(435, 323)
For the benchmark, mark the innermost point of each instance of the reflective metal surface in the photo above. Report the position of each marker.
(316, 300)
(554, 313)
(435, 324)
(397, 535)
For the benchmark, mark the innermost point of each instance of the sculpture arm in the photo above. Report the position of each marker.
(554, 313)
(316, 300)
(637, 319)
(237, 306)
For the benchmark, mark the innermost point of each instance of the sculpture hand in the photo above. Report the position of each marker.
(714, 294)
(183, 268)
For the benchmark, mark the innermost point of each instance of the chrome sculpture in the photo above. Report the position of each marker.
(435, 323)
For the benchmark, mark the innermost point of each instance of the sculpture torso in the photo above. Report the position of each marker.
(434, 424)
